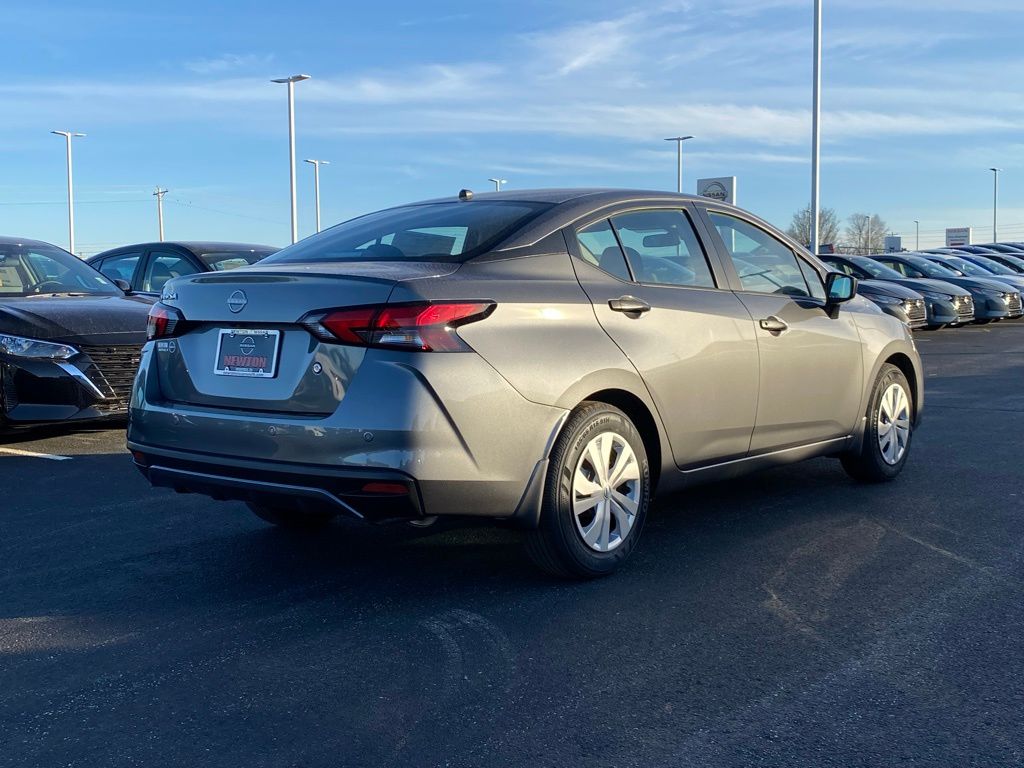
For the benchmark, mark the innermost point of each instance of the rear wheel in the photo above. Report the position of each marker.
(292, 519)
(890, 427)
(596, 496)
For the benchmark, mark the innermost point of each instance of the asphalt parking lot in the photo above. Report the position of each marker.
(790, 618)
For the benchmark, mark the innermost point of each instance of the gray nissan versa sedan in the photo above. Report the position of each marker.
(546, 358)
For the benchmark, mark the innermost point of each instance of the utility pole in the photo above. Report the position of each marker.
(159, 195)
(68, 136)
(291, 81)
(498, 183)
(316, 186)
(679, 159)
(816, 133)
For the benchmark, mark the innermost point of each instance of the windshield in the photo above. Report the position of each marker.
(930, 268)
(993, 266)
(221, 261)
(875, 269)
(967, 267)
(32, 270)
(454, 231)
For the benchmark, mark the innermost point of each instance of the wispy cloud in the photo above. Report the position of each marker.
(229, 62)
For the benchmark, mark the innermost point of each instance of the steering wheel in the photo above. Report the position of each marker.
(37, 287)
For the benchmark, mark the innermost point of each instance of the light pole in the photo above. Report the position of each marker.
(159, 195)
(816, 132)
(867, 235)
(498, 183)
(68, 135)
(291, 81)
(917, 235)
(316, 186)
(679, 159)
(995, 204)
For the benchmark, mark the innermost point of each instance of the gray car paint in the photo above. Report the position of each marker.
(474, 429)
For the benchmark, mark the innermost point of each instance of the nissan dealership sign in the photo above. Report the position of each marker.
(722, 189)
(958, 236)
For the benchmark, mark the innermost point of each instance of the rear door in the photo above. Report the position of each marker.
(657, 294)
(811, 360)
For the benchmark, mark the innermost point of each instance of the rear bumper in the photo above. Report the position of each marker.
(373, 496)
(463, 441)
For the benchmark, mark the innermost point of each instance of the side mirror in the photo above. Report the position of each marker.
(124, 285)
(840, 287)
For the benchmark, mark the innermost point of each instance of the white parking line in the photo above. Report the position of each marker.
(34, 455)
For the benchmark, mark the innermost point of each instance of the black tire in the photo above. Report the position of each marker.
(291, 519)
(868, 465)
(557, 546)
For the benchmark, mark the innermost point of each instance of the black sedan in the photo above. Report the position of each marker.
(146, 267)
(70, 338)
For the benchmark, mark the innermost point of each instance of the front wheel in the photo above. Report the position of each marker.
(889, 429)
(596, 496)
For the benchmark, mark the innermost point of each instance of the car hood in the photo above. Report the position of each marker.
(884, 288)
(77, 319)
(927, 284)
(980, 284)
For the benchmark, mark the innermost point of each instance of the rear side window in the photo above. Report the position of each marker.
(663, 248)
(452, 231)
(599, 247)
(763, 263)
(121, 267)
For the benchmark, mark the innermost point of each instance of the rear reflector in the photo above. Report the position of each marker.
(391, 488)
(424, 327)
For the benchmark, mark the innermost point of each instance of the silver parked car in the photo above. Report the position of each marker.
(549, 359)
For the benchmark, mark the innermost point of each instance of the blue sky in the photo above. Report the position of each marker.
(419, 99)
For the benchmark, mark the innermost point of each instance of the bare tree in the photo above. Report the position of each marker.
(864, 234)
(828, 226)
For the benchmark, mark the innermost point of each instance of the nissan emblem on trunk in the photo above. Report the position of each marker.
(237, 302)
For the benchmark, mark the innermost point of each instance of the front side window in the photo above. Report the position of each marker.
(121, 267)
(599, 247)
(30, 270)
(663, 248)
(454, 232)
(905, 270)
(813, 279)
(162, 267)
(763, 263)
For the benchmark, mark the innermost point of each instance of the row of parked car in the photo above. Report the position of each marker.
(942, 286)
(72, 331)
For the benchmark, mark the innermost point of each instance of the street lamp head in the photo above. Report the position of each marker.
(319, 162)
(68, 134)
(291, 79)
(679, 138)
(996, 170)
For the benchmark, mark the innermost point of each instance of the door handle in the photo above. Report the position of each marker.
(772, 324)
(631, 305)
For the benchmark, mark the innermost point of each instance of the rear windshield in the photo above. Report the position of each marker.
(220, 261)
(454, 231)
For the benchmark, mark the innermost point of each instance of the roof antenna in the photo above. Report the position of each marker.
(465, 194)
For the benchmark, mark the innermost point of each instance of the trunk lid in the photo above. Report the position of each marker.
(305, 375)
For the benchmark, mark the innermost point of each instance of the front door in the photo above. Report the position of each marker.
(656, 295)
(812, 367)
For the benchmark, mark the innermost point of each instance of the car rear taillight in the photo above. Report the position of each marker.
(163, 321)
(424, 327)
